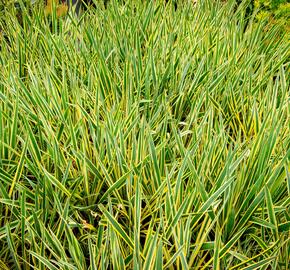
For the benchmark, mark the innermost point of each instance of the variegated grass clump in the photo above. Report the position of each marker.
(139, 137)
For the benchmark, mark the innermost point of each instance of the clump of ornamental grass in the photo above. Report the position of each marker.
(140, 137)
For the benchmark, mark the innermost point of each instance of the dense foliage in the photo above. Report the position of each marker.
(274, 10)
(143, 137)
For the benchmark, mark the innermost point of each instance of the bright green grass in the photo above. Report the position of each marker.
(140, 137)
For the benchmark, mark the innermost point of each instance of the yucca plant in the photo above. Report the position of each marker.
(140, 137)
